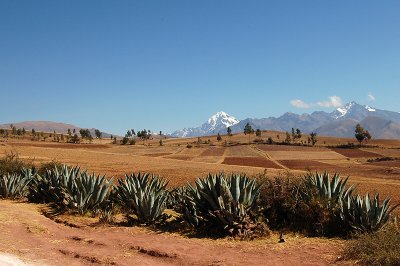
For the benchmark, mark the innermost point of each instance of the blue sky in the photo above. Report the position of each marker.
(164, 65)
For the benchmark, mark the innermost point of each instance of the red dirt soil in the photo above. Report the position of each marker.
(214, 151)
(157, 154)
(179, 157)
(251, 161)
(356, 153)
(305, 165)
(39, 240)
(288, 148)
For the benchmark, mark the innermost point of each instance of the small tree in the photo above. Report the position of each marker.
(313, 138)
(229, 131)
(288, 138)
(125, 140)
(75, 139)
(69, 132)
(296, 134)
(161, 142)
(362, 134)
(258, 133)
(97, 133)
(248, 130)
(219, 137)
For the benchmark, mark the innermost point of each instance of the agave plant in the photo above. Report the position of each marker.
(54, 186)
(183, 204)
(144, 196)
(333, 190)
(69, 189)
(225, 202)
(366, 214)
(14, 186)
(90, 193)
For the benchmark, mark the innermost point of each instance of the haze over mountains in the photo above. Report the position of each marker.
(48, 126)
(339, 123)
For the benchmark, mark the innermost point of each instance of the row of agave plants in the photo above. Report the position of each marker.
(221, 204)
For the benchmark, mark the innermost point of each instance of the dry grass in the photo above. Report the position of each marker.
(379, 248)
(181, 165)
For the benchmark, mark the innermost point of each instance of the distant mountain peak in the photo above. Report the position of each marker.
(217, 123)
(222, 118)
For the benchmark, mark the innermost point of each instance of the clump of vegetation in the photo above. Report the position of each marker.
(310, 204)
(382, 159)
(144, 196)
(279, 198)
(68, 189)
(12, 164)
(361, 134)
(15, 186)
(225, 205)
(377, 248)
(44, 167)
(366, 214)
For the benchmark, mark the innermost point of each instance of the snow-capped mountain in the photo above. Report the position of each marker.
(339, 123)
(218, 123)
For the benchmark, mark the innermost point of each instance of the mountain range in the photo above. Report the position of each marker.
(339, 123)
(48, 126)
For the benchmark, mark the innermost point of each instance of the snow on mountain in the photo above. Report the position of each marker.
(342, 111)
(340, 122)
(214, 125)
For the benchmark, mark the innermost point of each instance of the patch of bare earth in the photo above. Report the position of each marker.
(213, 151)
(355, 153)
(39, 240)
(251, 161)
(305, 165)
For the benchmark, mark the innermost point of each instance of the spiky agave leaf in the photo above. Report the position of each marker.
(13, 186)
(332, 190)
(53, 185)
(366, 214)
(143, 195)
(91, 193)
(224, 201)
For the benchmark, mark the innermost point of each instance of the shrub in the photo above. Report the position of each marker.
(144, 196)
(310, 204)
(377, 248)
(12, 164)
(44, 167)
(223, 203)
(279, 198)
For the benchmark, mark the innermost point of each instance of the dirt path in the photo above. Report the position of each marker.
(266, 155)
(41, 241)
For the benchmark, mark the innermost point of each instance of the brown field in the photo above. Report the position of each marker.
(38, 237)
(251, 161)
(305, 165)
(356, 153)
(213, 151)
